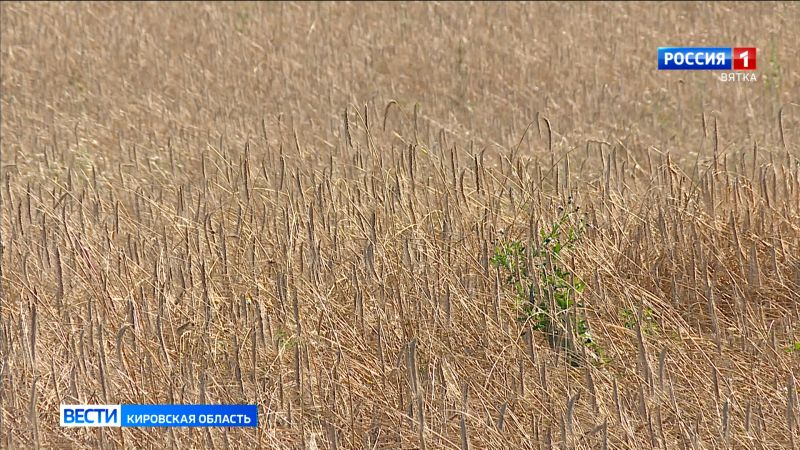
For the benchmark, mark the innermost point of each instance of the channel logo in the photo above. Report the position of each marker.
(90, 415)
(159, 416)
(707, 58)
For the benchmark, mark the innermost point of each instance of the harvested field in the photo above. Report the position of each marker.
(417, 226)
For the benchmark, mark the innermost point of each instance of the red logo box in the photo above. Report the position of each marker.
(744, 58)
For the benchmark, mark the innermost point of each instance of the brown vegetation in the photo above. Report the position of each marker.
(296, 205)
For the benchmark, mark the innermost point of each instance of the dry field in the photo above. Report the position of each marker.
(345, 213)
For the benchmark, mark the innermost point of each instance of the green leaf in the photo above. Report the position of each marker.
(562, 300)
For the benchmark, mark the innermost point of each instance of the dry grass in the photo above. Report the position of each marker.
(295, 206)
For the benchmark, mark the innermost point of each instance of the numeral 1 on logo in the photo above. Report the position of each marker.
(744, 58)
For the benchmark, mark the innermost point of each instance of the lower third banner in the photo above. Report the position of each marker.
(159, 416)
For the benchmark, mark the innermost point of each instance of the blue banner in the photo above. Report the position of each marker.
(189, 416)
(695, 58)
(159, 416)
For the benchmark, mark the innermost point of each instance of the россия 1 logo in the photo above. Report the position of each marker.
(711, 58)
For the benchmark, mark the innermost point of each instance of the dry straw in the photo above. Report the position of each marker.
(298, 206)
